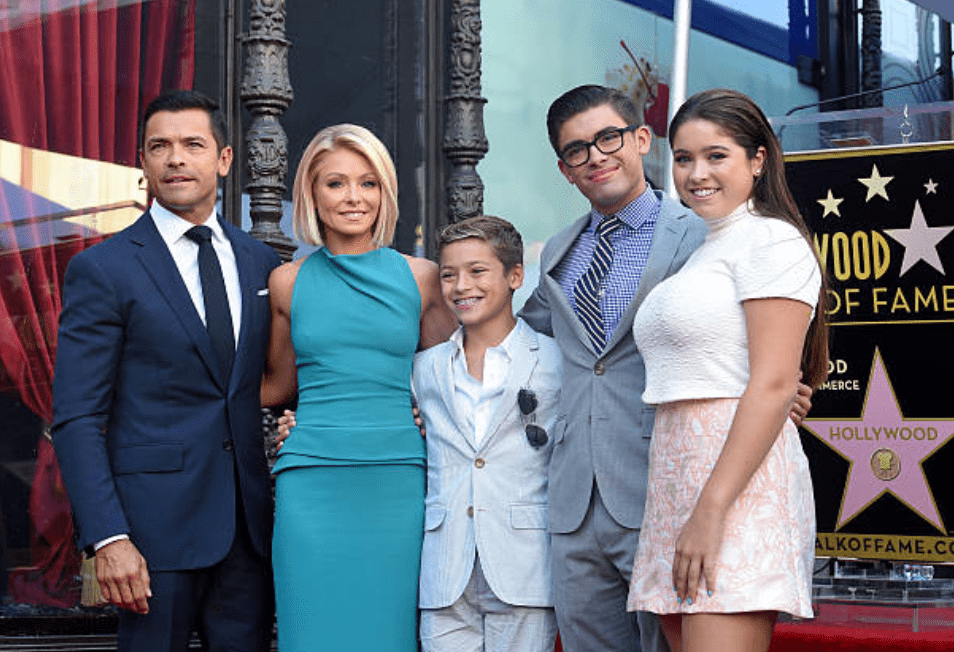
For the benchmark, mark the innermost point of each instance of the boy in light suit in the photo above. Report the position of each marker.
(488, 398)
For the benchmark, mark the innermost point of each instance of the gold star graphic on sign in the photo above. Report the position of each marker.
(930, 188)
(876, 184)
(831, 204)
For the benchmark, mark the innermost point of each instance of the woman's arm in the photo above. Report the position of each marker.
(437, 321)
(280, 380)
(776, 334)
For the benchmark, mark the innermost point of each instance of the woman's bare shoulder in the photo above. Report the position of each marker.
(286, 273)
(282, 279)
(422, 268)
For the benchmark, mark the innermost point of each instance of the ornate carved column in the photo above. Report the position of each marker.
(266, 93)
(465, 142)
(871, 52)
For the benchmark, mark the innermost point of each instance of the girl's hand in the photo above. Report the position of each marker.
(697, 549)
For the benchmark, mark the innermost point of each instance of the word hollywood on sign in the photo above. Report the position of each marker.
(880, 438)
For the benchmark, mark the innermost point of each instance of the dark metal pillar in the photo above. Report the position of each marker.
(266, 93)
(465, 142)
(947, 58)
(871, 52)
(838, 50)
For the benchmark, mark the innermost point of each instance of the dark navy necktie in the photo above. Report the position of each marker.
(218, 317)
(586, 292)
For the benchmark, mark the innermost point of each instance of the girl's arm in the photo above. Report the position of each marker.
(776, 334)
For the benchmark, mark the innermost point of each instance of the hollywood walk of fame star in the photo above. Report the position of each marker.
(830, 203)
(920, 241)
(876, 184)
(930, 188)
(884, 450)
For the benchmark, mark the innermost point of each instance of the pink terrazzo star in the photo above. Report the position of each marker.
(884, 450)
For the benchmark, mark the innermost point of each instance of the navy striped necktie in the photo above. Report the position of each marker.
(586, 292)
(218, 316)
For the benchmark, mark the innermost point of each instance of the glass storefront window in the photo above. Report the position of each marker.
(912, 48)
(74, 77)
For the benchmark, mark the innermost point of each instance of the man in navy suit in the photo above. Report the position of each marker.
(157, 420)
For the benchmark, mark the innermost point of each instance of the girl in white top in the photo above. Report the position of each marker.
(728, 536)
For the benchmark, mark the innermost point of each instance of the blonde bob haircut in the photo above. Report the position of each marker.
(308, 227)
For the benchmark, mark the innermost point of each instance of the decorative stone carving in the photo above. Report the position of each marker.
(267, 92)
(465, 141)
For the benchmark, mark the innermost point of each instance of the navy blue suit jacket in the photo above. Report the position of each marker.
(151, 439)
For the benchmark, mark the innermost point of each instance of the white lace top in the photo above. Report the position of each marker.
(690, 329)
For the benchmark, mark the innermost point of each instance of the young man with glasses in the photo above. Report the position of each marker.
(593, 276)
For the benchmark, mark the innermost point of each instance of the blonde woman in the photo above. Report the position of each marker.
(346, 322)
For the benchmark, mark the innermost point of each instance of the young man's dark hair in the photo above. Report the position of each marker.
(582, 98)
(182, 100)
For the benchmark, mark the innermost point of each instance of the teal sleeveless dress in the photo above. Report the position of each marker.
(349, 486)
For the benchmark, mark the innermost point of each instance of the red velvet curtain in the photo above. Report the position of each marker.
(74, 77)
(75, 80)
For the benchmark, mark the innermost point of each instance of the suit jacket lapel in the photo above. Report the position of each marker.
(562, 303)
(669, 232)
(444, 377)
(521, 369)
(243, 262)
(158, 263)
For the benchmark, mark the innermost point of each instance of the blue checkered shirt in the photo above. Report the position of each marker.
(630, 253)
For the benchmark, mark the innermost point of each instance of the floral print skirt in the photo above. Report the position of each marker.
(767, 554)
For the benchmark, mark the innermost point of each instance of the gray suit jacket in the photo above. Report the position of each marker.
(603, 429)
(487, 498)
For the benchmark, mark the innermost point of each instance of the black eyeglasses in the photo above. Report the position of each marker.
(527, 400)
(607, 141)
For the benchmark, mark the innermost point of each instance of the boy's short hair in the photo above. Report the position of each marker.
(497, 232)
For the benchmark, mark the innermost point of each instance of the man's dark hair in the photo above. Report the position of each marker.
(583, 98)
(182, 100)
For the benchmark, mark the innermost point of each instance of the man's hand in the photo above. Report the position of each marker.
(418, 420)
(801, 404)
(123, 576)
(285, 423)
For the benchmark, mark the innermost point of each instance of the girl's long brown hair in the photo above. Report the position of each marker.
(743, 120)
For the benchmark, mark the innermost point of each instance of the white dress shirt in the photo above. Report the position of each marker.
(185, 252)
(474, 399)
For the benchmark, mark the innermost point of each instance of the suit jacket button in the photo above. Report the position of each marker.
(599, 369)
(470, 511)
(479, 463)
(228, 445)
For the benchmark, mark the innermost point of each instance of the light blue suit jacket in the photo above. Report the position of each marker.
(488, 498)
(604, 429)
